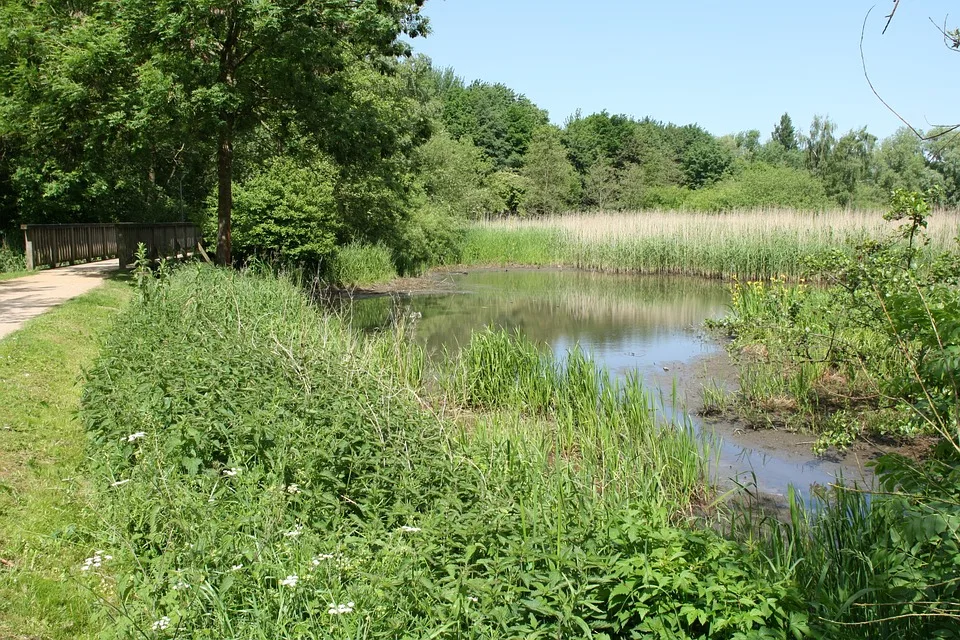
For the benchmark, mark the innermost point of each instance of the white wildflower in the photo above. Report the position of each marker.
(161, 624)
(289, 581)
(119, 483)
(293, 489)
(338, 609)
(236, 567)
(473, 598)
(231, 472)
(133, 437)
(407, 529)
(95, 561)
(180, 586)
(296, 532)
(321, 558)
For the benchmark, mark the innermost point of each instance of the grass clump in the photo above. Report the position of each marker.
(360, 264)
(12, 263)
(263, 472)
(45, 527)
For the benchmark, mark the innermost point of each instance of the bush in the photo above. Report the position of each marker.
(287, 211)
(358, 264)
(431, 237)
(11, 261)
(760, 186)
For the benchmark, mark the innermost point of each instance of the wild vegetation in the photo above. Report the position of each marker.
(749, 244)
(296, 480)
(871, 352)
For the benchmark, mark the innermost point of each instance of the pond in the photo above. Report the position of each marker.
(646, 324)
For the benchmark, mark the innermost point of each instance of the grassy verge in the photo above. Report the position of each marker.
(10, 275)
(44, 527)
(745, 244)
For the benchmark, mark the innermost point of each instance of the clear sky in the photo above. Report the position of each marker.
(728, 66)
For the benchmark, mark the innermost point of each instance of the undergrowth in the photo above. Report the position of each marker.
(264, 473)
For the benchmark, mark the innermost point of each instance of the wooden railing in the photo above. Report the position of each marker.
(55, 244)
(52, 245)
(168, 240)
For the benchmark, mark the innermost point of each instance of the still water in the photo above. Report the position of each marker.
(650, 325)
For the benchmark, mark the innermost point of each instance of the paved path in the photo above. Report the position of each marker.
(24, 298)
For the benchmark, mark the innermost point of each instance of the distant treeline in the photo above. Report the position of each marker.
(121, 111)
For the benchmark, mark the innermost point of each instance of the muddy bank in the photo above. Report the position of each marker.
(776, 456)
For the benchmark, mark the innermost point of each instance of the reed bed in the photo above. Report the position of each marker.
(746, 244)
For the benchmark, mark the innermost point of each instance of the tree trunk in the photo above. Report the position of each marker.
(224, 196)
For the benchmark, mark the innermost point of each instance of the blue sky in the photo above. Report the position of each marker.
(728, 66)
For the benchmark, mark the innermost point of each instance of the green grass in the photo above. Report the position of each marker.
(10, 275)
(44, 525)
(358, 264)
(257, 463)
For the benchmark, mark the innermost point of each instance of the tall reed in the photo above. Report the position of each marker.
(746, 244)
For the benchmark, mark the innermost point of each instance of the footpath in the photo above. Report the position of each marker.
(24, 298)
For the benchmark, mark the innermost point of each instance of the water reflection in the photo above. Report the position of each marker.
(648, 325)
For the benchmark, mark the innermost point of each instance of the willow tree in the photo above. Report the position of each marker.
(231, 65)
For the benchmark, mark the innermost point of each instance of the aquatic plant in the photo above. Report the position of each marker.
(749, 244)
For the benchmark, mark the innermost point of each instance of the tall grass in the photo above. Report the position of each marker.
(746, 244)
(606, 428)
(263, 472)
(362, 264)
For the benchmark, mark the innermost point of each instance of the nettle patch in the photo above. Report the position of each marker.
(263, 472)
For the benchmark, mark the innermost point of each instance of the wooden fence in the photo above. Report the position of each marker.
(54, 244)
(169, 240)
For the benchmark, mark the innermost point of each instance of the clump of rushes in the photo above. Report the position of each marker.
(358, 264)
(263, 472)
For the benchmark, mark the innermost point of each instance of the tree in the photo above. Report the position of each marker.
(233, 63)
(498, 120)
(704, 162)
(784, 133)
(903, 165)
(601, 185)
(553, 182)
(819, 144)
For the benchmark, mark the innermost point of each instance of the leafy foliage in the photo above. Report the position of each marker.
(261, 471)
(288, 211)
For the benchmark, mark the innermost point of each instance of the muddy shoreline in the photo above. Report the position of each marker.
(765, 461)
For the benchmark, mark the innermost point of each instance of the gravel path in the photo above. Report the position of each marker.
(24, 298)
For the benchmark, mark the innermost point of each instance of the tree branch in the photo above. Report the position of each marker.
(866, 74)
(896, 5)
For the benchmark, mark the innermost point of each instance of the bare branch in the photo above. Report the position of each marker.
(866, 74)
(896, 5)
(950, 40)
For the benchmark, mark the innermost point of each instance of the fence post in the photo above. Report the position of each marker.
(28, 244)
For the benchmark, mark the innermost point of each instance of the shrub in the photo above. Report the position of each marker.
(762, 186)
(11, 261)
(287, 211)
